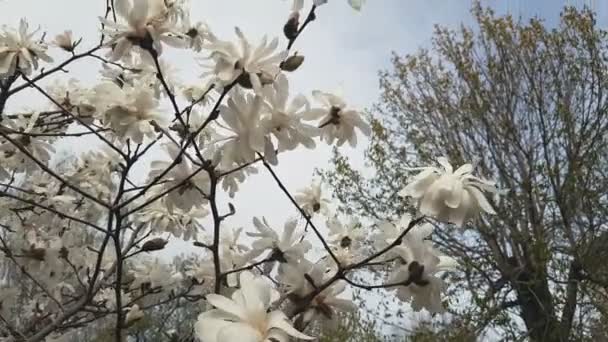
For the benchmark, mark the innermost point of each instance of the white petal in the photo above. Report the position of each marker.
(277, 319)
(240, 332)
(226, 305)
(481, 200)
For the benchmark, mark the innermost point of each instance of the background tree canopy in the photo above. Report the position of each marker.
(528, 105)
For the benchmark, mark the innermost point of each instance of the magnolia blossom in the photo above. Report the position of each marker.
(76, 98)
(242, 116)
(233, 253)
(289, 247)
(147, 24)
(253, 67)
(245, 316)
(349, 236)
(337, 122)
(283, 120)
(162, 217)
(231, 181)
(153, 273)
(19, 50)
(327, 304)
(453, 196)
(134, 313)
(197, 33)
(129, 111)
(203, 270)
(389, 232)
(311, 200)
(12, 157)
(419, 263)
(296, 277)
(187, 187)
(65, 41)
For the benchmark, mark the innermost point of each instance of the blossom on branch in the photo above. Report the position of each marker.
(450, 195)
(288, 248)
(418, 262)
(337, 122)
(245, 316)
(186, 186)
(283, 120)
(19, 51)
(147, 23)
(246, 136)
(252, 67)
(311, 200)
(129, 111)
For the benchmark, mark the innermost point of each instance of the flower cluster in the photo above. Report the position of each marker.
(97, 184)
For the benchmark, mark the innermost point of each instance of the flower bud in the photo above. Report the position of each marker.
(291, 26)
(154, 245)
(292, 63)
(65, 41)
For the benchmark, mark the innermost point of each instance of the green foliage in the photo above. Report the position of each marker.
(527, 104)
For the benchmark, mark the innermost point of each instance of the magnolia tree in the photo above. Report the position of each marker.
(80, 238)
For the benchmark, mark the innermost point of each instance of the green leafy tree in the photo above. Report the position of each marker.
(528, 105)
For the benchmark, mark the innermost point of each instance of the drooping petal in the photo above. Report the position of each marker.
(226, 305)
(481, 200)
(240, 332)
(277, 319)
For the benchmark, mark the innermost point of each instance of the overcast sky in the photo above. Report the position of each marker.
(343, 48)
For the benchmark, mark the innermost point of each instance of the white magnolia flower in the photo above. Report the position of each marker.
(134, 313)
(197, 34)
(349, 236)
(337, 122)
(231, 182)
(233, 254)
(287, 248)
(419, 263)
(242, 116)
(154, 274)
(283, 120)
(311, 200)
(254, 66)
(198, 94)
(345, 240)
(13, 159)
(160, 217)
(73, 96)
(190, 186)
(92, 172)
(203, 270)
(448, 195)
(65, 41)
(292, 275)
(147, 23)
(129, 111)
(245, 316)
(19, 51)
(325, 306)
(389, 232)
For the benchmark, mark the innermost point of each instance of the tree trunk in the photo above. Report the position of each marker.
(536, 305)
